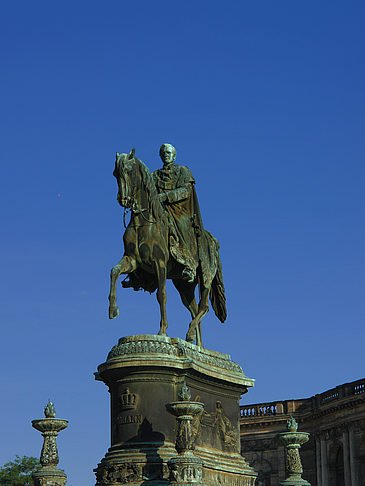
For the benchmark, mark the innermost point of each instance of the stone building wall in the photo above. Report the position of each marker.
(335, 453)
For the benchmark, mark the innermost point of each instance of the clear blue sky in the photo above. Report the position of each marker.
(264, 101)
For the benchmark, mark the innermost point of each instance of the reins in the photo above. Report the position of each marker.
(136, 212)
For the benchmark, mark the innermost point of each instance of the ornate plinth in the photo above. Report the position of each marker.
(186, 469)
(292, 440)
(50, 426)
(146, 372)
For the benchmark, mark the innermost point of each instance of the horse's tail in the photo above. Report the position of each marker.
(217, 295)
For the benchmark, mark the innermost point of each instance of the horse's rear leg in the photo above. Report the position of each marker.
(126, 265)
(203, 309)
(198, 334)
(161, 274)
(187, 294)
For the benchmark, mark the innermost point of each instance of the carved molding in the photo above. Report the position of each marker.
(50, 482)
(335, 433)
(49, 476)
(357, 425)
(109, 474)
(185, 469)
(176, 347)
(227, 479)
(145, 347)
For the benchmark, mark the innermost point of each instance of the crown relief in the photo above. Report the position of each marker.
(128, 400)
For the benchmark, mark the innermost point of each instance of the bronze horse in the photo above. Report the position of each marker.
(147, 259)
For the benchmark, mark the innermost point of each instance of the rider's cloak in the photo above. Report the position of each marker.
(190, 244)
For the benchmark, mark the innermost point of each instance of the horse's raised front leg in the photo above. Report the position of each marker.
(203, 309)
(126, 265)
(161, 274)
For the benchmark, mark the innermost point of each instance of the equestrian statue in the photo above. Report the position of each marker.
(165, 238)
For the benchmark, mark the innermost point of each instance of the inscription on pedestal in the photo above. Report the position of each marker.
(129, 419)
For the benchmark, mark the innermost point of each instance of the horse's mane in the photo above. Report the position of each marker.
(154, 202)
(152, 196)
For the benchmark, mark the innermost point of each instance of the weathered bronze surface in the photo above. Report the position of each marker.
(165, 238)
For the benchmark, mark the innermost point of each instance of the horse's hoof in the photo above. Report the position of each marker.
(161, 333)
(113, 312)
(189, 339)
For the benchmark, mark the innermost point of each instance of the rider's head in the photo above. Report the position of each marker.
(167, 153)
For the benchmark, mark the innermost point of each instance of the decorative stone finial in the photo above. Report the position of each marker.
(48, 474)
(186, 468)
(49, 410)
(292, 424)
(184, 394)
(292, 440)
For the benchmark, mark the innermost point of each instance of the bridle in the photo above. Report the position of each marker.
(134, 208)
(136, 211)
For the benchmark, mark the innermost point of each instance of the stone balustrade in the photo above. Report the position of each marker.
(261, 409)
(256, 410)
(359, 387)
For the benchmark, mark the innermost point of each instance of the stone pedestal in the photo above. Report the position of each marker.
(292, 440)
(144, 373)
(48, 474)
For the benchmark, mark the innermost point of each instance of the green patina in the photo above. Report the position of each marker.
(165, 239)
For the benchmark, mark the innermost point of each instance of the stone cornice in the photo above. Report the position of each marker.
(305, 417)
(342, 397)
(349, 402)
(162, 351)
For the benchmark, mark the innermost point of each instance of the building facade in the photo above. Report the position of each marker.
(335, 453)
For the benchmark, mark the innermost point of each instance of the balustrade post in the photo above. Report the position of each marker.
(279, 407)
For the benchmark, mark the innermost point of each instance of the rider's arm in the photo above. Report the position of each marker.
(185, 187)
(178, 194)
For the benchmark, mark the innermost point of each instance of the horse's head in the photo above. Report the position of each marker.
(128, 177)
